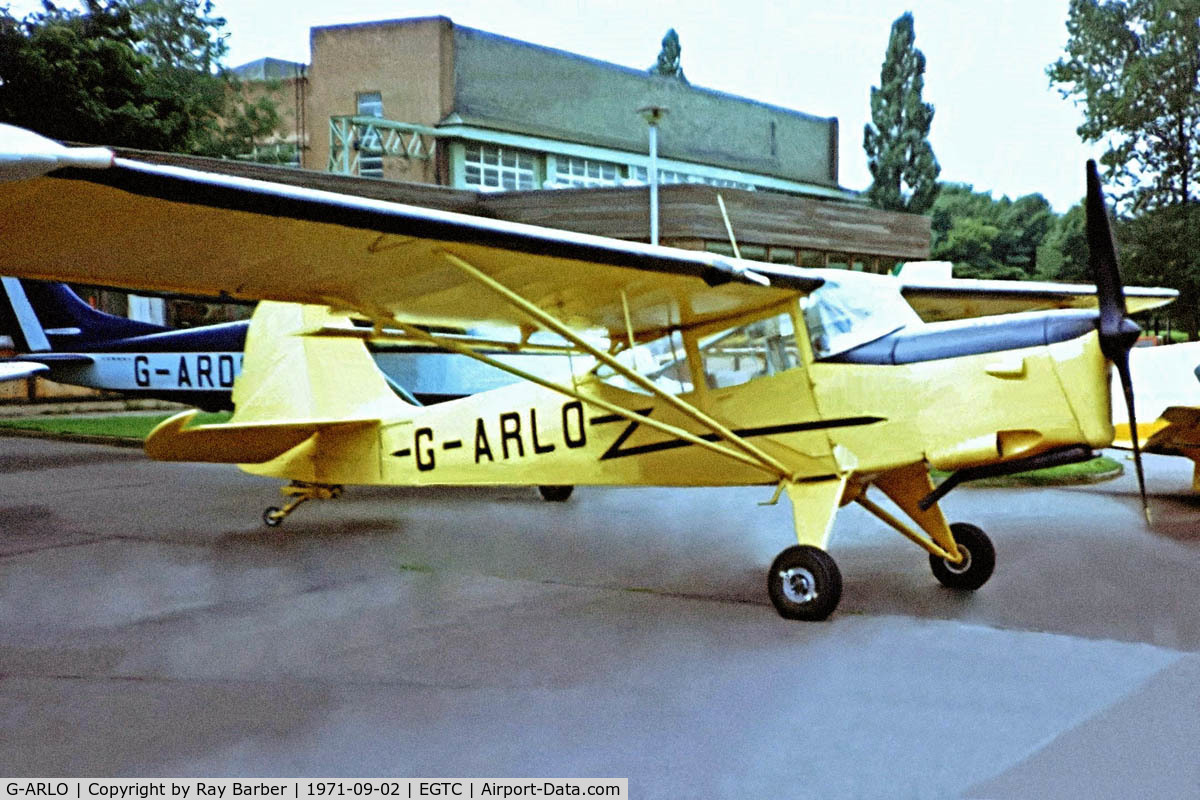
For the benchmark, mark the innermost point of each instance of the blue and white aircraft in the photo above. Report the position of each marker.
(60, 337)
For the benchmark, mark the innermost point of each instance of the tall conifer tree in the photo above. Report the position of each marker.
(902, 164)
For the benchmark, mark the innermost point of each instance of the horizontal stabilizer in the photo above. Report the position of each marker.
(65, 358)
(12, 370)
(1183, 415)
(237, 443)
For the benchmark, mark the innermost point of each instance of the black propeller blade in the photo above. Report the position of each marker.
(1118, 333)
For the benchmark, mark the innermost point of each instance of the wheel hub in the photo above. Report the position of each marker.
(962, 566)
(799, 585)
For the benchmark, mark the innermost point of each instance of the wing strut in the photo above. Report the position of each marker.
(547, 321)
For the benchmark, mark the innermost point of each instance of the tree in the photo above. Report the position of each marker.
(78, 77)
(1067, 241)
(1158, 248)
(1135, 66)
(668, 63)
(987, 238)
(1024, 224)
(132, 73)
(901, 161)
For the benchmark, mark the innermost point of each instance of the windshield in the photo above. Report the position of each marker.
(850, 309)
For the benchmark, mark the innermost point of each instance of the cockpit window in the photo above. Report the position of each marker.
(663, 362)
(843, 314)
(764, 347)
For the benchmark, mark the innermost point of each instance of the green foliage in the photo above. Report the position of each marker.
(1135, 64)
(78, 77)
(988, 238)
(902, 164)
(1159, 248)
(1068, 240)
(668, 62)
(131, 73)
(123, 426)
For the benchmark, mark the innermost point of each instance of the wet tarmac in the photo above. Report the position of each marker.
(151, 626)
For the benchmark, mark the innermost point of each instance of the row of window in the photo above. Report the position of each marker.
(493, 168)
(804, 258)
(498, 169)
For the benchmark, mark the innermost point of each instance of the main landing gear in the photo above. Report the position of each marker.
(979, 559)
(300, 492)
(804, 582)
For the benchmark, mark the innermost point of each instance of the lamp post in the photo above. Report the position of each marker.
(652, 115)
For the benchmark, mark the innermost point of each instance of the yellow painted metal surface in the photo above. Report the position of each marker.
(956, 412)
(905, 487)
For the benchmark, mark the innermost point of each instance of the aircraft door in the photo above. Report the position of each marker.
(755, 379)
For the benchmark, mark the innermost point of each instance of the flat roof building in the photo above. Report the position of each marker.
(427, 101)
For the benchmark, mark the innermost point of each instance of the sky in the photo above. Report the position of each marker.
(998, 125)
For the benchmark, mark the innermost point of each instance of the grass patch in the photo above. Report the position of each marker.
(122, 426)
(1099, 468)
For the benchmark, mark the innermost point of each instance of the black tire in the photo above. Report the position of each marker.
(975, 571)
(804, 583)
(270, 518)
(556, 494)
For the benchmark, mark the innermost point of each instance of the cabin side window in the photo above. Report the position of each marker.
(662, 361)
(754, 350)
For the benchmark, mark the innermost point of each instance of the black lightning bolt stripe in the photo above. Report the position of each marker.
(616, 450)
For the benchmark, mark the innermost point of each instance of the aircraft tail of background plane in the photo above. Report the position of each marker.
(47, 317)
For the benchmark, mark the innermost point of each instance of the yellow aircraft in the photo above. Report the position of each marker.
(690, 369)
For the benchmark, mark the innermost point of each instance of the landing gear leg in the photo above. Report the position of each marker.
(960, 555)
(804, 581)
(300, 492)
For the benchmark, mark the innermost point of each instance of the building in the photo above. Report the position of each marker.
(426, 101)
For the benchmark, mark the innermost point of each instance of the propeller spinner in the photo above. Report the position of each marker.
(1118, 333)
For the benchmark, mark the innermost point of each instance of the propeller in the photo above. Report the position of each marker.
(1118, 333)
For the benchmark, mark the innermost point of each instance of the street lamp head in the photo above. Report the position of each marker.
(653, 114)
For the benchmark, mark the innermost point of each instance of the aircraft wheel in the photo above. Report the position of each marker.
(273, 517)
(976, 569)
(804, 583)
(555, 494)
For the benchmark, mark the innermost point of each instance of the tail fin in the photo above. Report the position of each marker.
(299, 366)
(308, 404)
(42, 317)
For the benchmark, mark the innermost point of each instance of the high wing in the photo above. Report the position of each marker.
(957, 298)
(167, 228)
